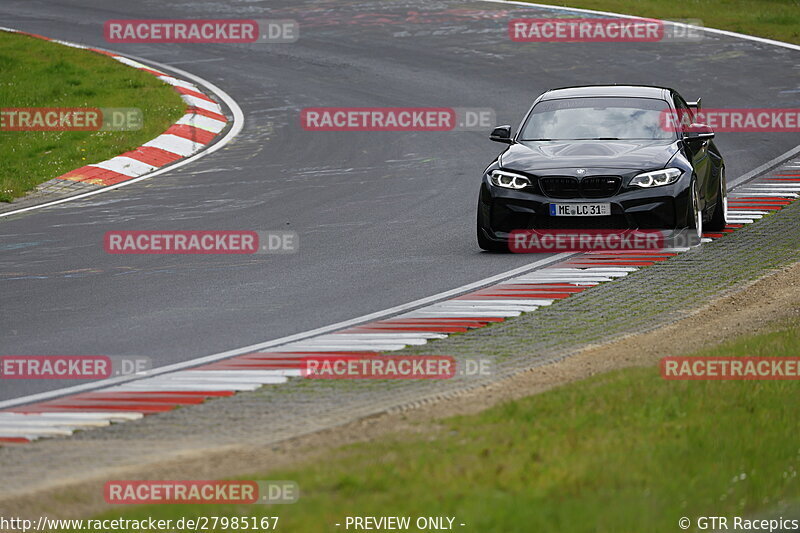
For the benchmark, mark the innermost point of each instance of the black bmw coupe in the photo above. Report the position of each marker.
(603, 157)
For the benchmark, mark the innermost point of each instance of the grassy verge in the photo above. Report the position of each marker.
(773, 19)
(38, 73)
(626, 451)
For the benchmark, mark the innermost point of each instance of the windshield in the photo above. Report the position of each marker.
(597, 119)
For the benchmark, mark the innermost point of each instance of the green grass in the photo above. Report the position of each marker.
(625, 451)
(38, 73)
(773, 19)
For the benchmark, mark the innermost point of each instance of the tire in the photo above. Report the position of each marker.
(695, 214)
(719, 220)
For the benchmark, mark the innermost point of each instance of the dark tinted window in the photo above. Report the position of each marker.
(598, 118)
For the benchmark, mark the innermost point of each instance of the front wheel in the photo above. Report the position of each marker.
(719, 221)
(695, 214)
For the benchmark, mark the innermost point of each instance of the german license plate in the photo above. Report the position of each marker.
(580, 210)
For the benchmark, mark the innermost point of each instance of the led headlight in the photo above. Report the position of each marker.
(509, 180)
(657, 178)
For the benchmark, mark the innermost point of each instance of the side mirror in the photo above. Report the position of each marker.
(696, 105)
(698, 132)
(501, 134)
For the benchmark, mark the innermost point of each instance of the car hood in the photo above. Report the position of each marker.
(533, 156)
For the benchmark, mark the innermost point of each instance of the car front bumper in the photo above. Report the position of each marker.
(503, 210)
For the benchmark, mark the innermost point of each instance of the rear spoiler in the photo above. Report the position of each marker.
(695, 105)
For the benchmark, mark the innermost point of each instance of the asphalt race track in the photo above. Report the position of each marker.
(383, 218)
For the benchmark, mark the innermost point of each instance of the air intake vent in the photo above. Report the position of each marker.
(600, 186)
(560, 187)
(588, 187)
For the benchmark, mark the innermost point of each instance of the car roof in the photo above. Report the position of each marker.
(586, 91)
